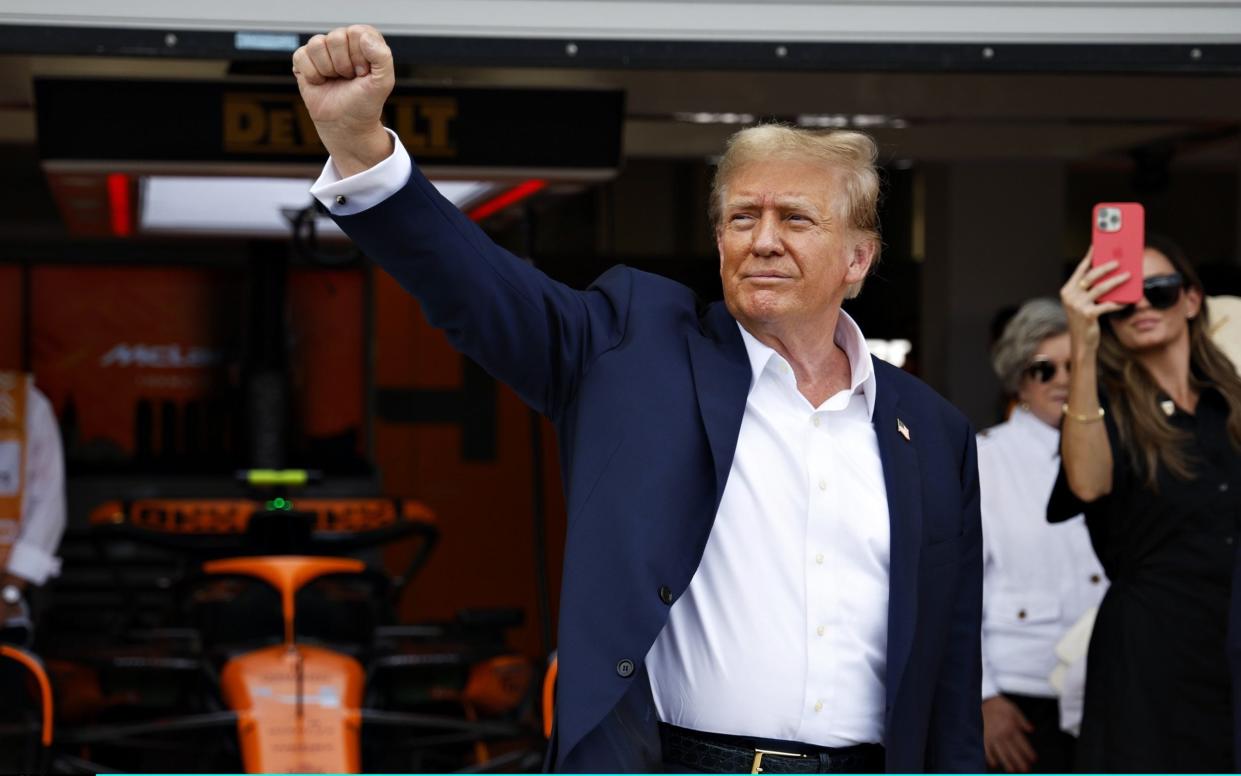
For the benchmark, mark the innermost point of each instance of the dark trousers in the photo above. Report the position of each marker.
(1054, 747)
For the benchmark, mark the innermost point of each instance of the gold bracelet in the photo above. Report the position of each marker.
(1064, 410)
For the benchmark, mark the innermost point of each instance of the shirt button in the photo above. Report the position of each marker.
(819, 559)
(341, 199)
(818, 706)
(1021, 615)
(815, 421)
(1095, 579)
(665, 594)
(820, 630)
(624, 668)
(1227, 540)
(1223, 487)
(822, 484)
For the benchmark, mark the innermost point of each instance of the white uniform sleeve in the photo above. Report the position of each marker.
(352, 195)
(33, 557)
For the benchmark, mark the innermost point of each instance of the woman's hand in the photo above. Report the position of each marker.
(1005, 733)
(1085, 449)
(1080, 299)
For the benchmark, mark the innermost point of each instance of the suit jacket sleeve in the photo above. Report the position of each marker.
(535, 334)
(955, 736)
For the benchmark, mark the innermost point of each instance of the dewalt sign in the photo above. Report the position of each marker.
(505, 131)
(271, 123)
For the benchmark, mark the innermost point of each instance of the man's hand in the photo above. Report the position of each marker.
(1004, 730)
(345, 77)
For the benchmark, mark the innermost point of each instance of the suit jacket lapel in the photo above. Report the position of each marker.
(722, 381)
(904, 487)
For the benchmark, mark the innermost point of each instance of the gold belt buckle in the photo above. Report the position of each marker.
(758, 758)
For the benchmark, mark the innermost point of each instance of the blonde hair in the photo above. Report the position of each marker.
(1145, 432)
(851, 154)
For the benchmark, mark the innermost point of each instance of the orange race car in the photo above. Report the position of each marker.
(275, 652)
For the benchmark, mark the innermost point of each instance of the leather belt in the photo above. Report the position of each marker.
(719, 753)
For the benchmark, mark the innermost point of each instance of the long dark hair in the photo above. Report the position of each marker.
(1145, 433)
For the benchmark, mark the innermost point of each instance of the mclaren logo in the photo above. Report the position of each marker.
(171, 356)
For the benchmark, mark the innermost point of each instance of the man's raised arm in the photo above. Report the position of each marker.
(531, 332)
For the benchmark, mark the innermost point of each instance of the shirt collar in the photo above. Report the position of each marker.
(1046, 437)
(850, 339)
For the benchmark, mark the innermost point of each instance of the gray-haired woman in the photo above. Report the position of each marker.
(1038, 578)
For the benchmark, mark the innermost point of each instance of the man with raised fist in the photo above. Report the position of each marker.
(773, 557)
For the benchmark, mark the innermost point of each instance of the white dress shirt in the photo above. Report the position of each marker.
(782, 632)
(1038, 578)
(33, 554)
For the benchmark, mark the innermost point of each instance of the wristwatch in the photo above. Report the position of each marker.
(10, 594)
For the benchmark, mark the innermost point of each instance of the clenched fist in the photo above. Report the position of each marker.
(345, 77)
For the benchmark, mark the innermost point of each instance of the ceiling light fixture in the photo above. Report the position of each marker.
(244, 206)
(851, 121)
(715, 118)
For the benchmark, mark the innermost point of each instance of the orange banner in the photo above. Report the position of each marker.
(123, 351)
(144, 364)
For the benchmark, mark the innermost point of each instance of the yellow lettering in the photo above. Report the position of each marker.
(245, 124)
(279, 123)
(282, 130)
(438, 113)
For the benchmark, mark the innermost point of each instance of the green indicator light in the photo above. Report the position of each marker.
(279, 505)
(271, 477)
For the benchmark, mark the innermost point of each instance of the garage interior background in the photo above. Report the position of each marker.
(997, 135)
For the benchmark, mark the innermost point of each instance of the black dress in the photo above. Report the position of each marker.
(1158, 686)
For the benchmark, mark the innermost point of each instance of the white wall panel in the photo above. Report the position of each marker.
(777, 21)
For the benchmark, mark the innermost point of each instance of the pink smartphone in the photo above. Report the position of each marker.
(1119, 235)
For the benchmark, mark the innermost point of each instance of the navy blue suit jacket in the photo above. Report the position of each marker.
(646, 388)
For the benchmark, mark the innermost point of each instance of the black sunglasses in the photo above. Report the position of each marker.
(1044, 369)
(1162, 291)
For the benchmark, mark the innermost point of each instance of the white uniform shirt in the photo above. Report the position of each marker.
(1038, 577)
(782, 632)
(33, 554)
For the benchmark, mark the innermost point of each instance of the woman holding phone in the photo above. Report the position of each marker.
(1150, 453)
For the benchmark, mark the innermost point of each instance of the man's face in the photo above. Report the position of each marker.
(786, 257)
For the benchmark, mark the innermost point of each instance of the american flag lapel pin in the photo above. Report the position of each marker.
(902, 428)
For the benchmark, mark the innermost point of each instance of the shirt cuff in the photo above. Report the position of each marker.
(32, 563)
(365, 190)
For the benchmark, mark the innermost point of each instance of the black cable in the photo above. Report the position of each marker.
(305, 238)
